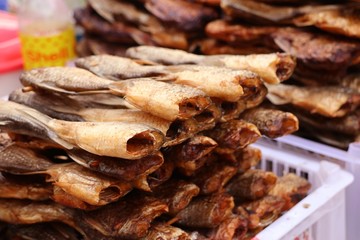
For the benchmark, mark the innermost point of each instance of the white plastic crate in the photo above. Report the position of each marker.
(322, 214)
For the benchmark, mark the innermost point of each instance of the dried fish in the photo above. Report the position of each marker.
(184, 15)
(28, 212)
(123, 140)
(68, 200)
(187, 156)
(351, 81)
(291, 188)
(264, 211)
(173, 101)
(272, 68)
(137, 213)
(206, 211)
(344, 21)
(327, 101)
(86, 185)
(118, 32)
(251, 185)
(243, 159)
(127, 170)
(266, 13)
(233, 227)
(176, 193)
(22, 188)
(213, 177)
(165, 231)
(317, 51)
(116, 68)
(234, 134)
(234, 32)
(67, 109)
(271, 122)
(161, 174)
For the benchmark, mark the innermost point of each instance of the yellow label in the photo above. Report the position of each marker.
(48, 50)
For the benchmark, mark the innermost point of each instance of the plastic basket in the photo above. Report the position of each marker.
(322, 214)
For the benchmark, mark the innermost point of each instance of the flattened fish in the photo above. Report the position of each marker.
(272, 68)
(243, 159)
(344, 21)
(271, 122)
(166, 100)
(251, 185)
(206, 211)
(135, 219)
(266, 13)
(292, 189)
(184, 15)
(165, 231)
(127, 170)
(176, 193)
(20, 188)
(327, 101)
(234, 134)
(84, 184)
(233, 227)
(123, 140)
(186, 155)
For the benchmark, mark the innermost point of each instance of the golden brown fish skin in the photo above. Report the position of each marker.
(271, 122)
(176, 193)
(206, 211)
(351, 81)
(234, 134)
(251, 185)
(184, 15)
(13, 187)
(243, 159)
(266, 210)
(175, 131)
(238, 33)
(29, 212)
(344, 21)
(122, 140)
(20, 119)
(160, 176)
(212, 177)
(117, 68)
(67, 80)
(327, 101)
(61, 197)
(272, 68)
(172, 102)
(186, 155)
(138, 211)
(124, 169)
(165, 231)
(292, 189)
(233, 227)
(208, 118)
(87, 186)
(317, 51)
(211, 46)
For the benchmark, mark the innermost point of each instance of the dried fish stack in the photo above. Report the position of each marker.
(116, 148)
(113, 25)
(324, 38)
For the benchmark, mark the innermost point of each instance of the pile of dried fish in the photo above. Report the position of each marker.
(324, 38)
(111, 25)
(118, 148)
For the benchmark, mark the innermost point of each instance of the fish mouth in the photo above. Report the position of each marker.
(109, 194)
(231, 109)
(209, 116)
(192, 106)
(285, 67)
(145, 143)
